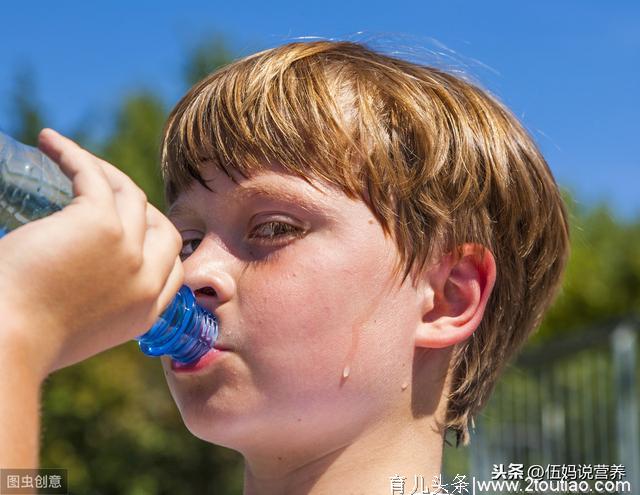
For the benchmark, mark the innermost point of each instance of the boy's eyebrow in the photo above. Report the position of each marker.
(277, 193)
(273, 192)
(177, 210)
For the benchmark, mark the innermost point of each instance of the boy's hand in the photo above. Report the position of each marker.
(91, 276)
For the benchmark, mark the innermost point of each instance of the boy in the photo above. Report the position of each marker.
(377, 239)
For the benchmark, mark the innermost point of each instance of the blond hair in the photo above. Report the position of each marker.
(439, 161)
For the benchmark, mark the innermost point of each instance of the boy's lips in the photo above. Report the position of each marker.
(210, 357)
(221, 347)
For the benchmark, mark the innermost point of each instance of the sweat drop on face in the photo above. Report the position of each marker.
(32, 187)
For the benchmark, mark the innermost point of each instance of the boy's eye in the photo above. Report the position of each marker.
(187, 242)
(268, 231)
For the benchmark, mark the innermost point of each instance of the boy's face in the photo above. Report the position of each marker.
(304, 288)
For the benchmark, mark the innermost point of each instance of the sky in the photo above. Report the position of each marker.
(569, 70)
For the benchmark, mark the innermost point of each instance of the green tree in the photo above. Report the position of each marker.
(27, 112)
(602, 279)
(208, 56)
(134, 144)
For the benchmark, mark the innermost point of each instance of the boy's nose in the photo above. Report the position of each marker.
(208, 273)
(213, 282)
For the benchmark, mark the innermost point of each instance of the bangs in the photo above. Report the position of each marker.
(259, 111)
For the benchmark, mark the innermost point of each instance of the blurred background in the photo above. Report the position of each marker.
(107, 74)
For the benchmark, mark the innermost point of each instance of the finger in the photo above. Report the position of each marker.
(172, 285)
(162, 245)
(130, 201)
(88, 178)
(155, 217)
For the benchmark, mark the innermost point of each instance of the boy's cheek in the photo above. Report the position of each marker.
(299, 322)
(326, 312)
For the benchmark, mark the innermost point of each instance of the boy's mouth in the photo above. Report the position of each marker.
(210, 357)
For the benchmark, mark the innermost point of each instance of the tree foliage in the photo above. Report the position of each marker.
(27, 110)
(208, 56)
(602, 279)
(134, 144)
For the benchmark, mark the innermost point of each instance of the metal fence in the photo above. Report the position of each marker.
(573, 402)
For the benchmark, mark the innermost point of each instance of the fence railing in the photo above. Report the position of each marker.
(572, 403)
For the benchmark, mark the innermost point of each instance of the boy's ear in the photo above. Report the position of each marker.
(460, 289)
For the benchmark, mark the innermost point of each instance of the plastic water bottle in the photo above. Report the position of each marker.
(32, 187)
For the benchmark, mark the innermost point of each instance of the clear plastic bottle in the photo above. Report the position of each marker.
(32, 187)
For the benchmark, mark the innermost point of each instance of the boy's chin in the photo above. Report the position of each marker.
(226, 430)
(221, 419)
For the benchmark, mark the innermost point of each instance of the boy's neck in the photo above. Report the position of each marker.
(366, 465)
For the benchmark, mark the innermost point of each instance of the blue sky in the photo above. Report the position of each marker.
(570, 70)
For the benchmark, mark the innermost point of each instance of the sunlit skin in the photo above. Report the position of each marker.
(334, 363)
